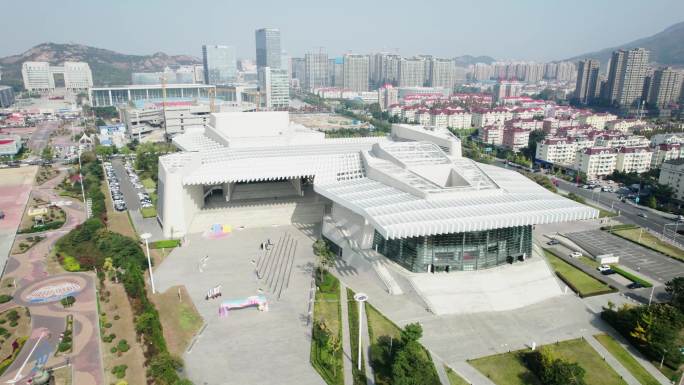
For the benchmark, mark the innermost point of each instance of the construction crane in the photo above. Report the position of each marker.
(163, 88)
(212, 99)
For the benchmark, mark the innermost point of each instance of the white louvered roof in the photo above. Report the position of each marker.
(397, 214)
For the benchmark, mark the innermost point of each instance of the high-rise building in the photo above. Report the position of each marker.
(626, 74)
(412, 72)
(298, 65)
(665, 87)
(587, 87)
(316, 70)
(274, 86)
(40, 76)
(390, 69)
(356, 72)
(442, 73)
(506, 88)
(220, 64)
(268, 52)
(37, 76)
(387, 96)
(336, 72)
(286, 63)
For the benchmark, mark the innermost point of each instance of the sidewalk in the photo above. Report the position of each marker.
(611, 361)
(346, 342)
(471, 374)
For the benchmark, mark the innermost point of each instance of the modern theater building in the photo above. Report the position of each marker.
(409, 196)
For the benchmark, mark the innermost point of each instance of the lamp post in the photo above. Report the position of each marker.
(146, 237)
(662, 360)
(360, 298)
(80, 179)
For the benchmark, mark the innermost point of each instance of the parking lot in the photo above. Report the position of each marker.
(114, 187)
(132, 191)
(650, 263)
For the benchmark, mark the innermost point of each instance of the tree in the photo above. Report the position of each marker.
(334, 344)
(652, 202)
(675, 288)
(411, 366)
(411, 332)
(47, 154)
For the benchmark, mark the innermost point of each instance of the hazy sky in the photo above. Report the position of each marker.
(504, 29)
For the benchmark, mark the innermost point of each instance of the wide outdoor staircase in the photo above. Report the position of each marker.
(339, 234)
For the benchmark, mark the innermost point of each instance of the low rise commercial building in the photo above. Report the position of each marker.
(515, 139)
(596, 162)
(633, 159)
(6, 96)
(10, 145)
(672, 175)
(122, 95)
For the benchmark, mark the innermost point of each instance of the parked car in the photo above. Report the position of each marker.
(575, 254)
(635, 285)
(553, 242)
(643, 215)
(605, 270)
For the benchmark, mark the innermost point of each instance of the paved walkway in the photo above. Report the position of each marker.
(346, 342)
(365, 337)
(612, 361)
(470, 374)
(441, 372)
(48, 319)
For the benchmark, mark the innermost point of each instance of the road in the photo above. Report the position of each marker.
(41, 136)
(629, 213)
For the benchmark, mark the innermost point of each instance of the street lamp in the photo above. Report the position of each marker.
(662, 360)
(360, 298)
(80, 178)
(146, 237)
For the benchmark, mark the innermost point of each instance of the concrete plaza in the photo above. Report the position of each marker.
(248, 346)
(15, 188)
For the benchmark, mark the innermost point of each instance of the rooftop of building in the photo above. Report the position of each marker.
(151, 86)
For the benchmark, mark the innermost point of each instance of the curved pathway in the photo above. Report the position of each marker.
(48, 316)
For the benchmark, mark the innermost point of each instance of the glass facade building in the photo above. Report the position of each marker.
(220, 64)
(459, 251)
(268, 48)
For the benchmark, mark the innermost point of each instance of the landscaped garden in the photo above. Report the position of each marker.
(41, 216)
(563, 363)
(15, 327)
(579, 281)
(395, 354)
(22, 245)
(353, 313)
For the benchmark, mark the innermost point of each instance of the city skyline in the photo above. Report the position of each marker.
(556, 38)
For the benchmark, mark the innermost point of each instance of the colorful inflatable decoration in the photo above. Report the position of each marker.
(258, 300)
(217, 231)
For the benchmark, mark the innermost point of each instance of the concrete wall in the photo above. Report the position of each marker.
(359, 232)
(259, 215)
(180, 203)
(249, 124)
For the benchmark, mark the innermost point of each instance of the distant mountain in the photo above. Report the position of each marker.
(109, 67)
(466, 60)
(667, 47)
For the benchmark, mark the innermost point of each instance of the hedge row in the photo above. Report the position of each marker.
(36, 229)
(630, 276)
(620, 227)
(165, 244)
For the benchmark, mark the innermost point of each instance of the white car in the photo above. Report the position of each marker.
(575, 254)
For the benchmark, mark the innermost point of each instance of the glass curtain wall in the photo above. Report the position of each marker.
(458, 251)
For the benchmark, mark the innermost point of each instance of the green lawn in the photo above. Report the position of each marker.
(505, 369)
(327, 310)
(588, 261)
(353, 314)
(508, 368)
(630, 276)
(626, 359)
(455, 379)
(379, 326)
(579, 281)
(598, 371)
(148, 212)
(148, 183)
(650, 241)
